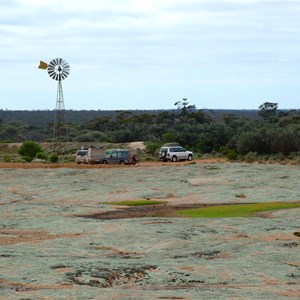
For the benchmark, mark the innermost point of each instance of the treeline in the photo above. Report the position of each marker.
(265, 131)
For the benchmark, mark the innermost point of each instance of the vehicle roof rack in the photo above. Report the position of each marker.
(96, 147)
(171, 145)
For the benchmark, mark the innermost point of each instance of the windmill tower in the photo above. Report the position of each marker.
(58, 69)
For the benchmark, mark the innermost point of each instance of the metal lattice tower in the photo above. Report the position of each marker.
(58, 69)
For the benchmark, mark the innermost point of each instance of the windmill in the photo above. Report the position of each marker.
(58, 69)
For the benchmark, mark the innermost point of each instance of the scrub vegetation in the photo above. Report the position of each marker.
(266, 133)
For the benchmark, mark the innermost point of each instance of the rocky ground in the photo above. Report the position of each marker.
(54, 245)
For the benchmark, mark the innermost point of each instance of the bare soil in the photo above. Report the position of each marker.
(40, 165)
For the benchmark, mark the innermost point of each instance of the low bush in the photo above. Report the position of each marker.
(29, 150)
(41, 155)
(7, 158)
(27, 158)
(54, 158)
(224, 150)
(152, 148)
(232, 155)
(251, 157)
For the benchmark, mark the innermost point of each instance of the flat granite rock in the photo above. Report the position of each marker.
(51, 249)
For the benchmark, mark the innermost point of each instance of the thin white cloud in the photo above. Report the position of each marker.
(184, 43)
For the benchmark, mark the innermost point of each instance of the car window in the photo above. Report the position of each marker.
(108, 153)
(81, 153)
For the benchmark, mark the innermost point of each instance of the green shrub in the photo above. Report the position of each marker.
(168, 137)
(27, 158)
(29, 149)
(224, 150)
(152, 148)
(279, 156)
(251, 157)
(232, 155)
(54, 158)
(91, 136)
(149, 159)
(7, 158)
(41, 155)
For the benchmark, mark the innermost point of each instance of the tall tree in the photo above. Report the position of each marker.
(184, 106)
(268, 109)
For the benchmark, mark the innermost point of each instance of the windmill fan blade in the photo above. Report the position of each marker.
(43, 65)
(51, 74)
(58, 69)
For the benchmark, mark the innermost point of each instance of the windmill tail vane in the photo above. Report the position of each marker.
(43, 65)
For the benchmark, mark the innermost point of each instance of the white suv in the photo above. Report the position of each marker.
(80, 156)
(174, 153)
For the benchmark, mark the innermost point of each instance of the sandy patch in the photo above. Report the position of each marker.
(17, 236)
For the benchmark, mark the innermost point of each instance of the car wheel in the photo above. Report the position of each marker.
(190, 157)
(163, 154)
(174, 158)
(104, 162)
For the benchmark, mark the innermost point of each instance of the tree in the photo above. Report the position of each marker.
(29, 150)
(184, 106)
(284, 140)
(268, 109)
(9, 132)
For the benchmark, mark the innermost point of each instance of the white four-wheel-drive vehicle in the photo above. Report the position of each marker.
(80, 156)
(174, 153)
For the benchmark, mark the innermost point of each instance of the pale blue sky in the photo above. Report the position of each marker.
(138, 54)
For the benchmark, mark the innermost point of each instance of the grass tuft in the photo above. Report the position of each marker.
(235, 210)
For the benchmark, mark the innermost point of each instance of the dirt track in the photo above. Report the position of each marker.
(34, 165)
